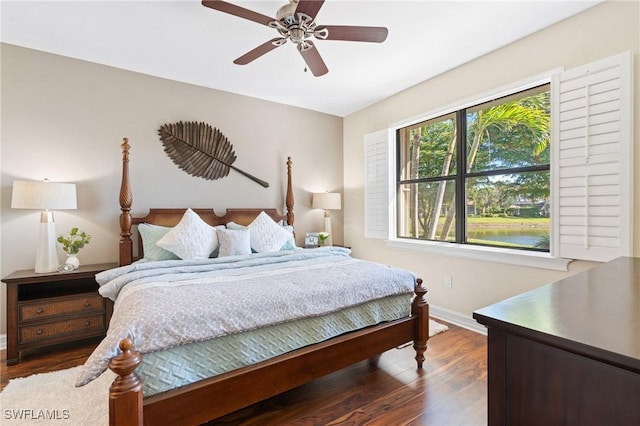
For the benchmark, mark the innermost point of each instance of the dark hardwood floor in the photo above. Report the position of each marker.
(451, 389)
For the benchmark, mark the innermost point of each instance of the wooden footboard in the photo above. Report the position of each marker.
(193, 404)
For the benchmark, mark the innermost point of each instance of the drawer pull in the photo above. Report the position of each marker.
(39, 331)
(87, 323)
(39, 310)
(87, 304)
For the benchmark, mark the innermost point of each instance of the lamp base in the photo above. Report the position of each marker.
(327, 228)
(47, 252)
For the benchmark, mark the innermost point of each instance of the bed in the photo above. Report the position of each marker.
(237, 387)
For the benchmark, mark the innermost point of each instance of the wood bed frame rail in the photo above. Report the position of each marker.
(193, 404)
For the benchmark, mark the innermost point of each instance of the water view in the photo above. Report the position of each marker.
(511, 237)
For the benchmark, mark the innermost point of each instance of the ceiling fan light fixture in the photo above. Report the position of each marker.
(297, 34)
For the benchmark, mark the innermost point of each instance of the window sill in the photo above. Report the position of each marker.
(489, 254)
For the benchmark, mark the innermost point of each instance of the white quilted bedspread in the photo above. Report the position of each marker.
(175, 302)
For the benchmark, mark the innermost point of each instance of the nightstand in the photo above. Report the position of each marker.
(53, 308)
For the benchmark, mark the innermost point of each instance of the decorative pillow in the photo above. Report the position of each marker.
(234, 242)
(150, 235)
(216, 250)
(191, 238)
(291, 243)
(235, 226)
(267, 235)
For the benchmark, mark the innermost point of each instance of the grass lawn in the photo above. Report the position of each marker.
(509, 222)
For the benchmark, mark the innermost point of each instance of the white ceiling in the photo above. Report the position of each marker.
(185, 41)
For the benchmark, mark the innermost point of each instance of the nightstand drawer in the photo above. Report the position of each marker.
(84, 325)
(48, 308)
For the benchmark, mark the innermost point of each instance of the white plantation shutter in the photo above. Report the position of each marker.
(593, 157)
(376, 188)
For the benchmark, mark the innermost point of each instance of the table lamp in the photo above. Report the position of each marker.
(45, 196)
(327, 201)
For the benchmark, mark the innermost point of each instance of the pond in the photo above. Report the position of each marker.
(516, 236)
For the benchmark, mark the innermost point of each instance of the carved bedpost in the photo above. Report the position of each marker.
(125, 393)
(420, 307)
(289, 199)
(126, 199)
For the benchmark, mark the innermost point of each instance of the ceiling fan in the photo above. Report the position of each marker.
(295, 21)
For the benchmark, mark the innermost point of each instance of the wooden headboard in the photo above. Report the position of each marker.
(171, 217)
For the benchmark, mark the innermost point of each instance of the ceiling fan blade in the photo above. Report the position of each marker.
(351, 33)
(313, 59)
(254, 54)
(309, 7)
(241, 12)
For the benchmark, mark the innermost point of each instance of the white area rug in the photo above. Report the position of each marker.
(436, 327)
(52, 398)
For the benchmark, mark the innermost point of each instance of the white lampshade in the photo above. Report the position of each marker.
(44, 196)
(326, 201)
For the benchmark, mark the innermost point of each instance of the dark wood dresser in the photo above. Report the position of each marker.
(54, 308)
(567, 353)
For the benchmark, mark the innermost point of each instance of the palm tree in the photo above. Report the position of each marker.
(522, 114)
(442, 186)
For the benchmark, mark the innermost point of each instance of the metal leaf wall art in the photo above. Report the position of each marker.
(200, 150)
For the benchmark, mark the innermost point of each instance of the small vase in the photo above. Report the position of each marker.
(72, 260)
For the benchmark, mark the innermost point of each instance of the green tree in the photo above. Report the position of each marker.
(521, 131)
(432, 152)
(512, 134)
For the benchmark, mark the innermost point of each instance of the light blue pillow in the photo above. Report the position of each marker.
(150, 235)
(235, 226)
(291, 244)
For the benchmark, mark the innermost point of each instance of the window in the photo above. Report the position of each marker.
(479, 175)
(432, 182)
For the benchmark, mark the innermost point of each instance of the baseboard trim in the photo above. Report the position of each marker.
(456, 318)
(3, 341)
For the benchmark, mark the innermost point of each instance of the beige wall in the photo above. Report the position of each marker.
(602, 31)
(64, 119)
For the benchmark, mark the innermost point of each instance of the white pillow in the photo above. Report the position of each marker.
(191, 238)
(267, 235)
(234, 242)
